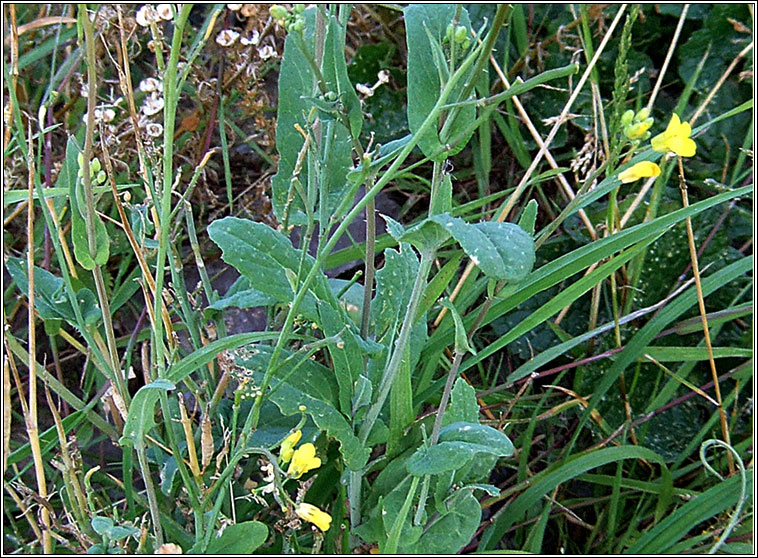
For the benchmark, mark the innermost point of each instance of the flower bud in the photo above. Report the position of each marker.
(627, 118)
(642, 115)
(460, 34)
(278, 12)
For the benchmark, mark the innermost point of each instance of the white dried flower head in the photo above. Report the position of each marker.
(153, 104)
(234, 7)
(364, 90)
(147, 15)
(148, 85)
(154, 129)
(227, 37)
(266, 52)
(165, 12)
(383, 76)
(104, 114)
(268, 489)
(253, 39)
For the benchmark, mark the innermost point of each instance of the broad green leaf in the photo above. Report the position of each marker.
(140, 419)
(443, 198)
(101, 524)
(304, 374)
(425, 28)
(391, 505)
(242, 295)
(51, 300)
(312, 385)
(458, 443)
(296, 87)
(120, 532)
(347, 358)
(241, 538)
(262, 255)
(500, 250)
(451, 531)
(461, 337)
(81, 243)
(463, 406)
(394, 282)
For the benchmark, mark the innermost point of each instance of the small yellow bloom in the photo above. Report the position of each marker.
(303, 460)
(643, 169)
(288, 445)
(311, 513)
(675, 139)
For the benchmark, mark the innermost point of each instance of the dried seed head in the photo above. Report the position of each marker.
(227, 37)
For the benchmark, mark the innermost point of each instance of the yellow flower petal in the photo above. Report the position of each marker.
(288, 445)
(303, 460)
(675, 139)
(643, 169)
(314, 515)
(684, 147)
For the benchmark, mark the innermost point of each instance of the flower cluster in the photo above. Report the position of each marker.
(97, 175)
(636, 126)
(675, 139)
(291, 21)
(457, 34)
(302, 459)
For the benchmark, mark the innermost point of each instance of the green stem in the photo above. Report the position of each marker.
(397, 527)
(169, 121)
(102, 295)
(446, 396)
(150, 489)
(393, 366)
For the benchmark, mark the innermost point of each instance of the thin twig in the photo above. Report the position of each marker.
(703, 317)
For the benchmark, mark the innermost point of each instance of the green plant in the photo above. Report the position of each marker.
(404, 408)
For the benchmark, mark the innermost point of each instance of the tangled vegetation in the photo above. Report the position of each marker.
(385, 279)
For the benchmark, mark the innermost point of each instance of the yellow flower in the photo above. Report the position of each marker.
(288, 445)
(675, 139)
(311, 513)
(303, 460)
(643, 169)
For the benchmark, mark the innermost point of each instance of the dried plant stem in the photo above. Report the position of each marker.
(703, 317)
(669, 55)
(712, 94)
(30, 418)
(14, 76)
(569, 191)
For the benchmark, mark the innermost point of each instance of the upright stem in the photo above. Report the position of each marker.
(102, 295)
(703, 318)
(170, 94)
(400, 345)
(150, 489)
(30, 417)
